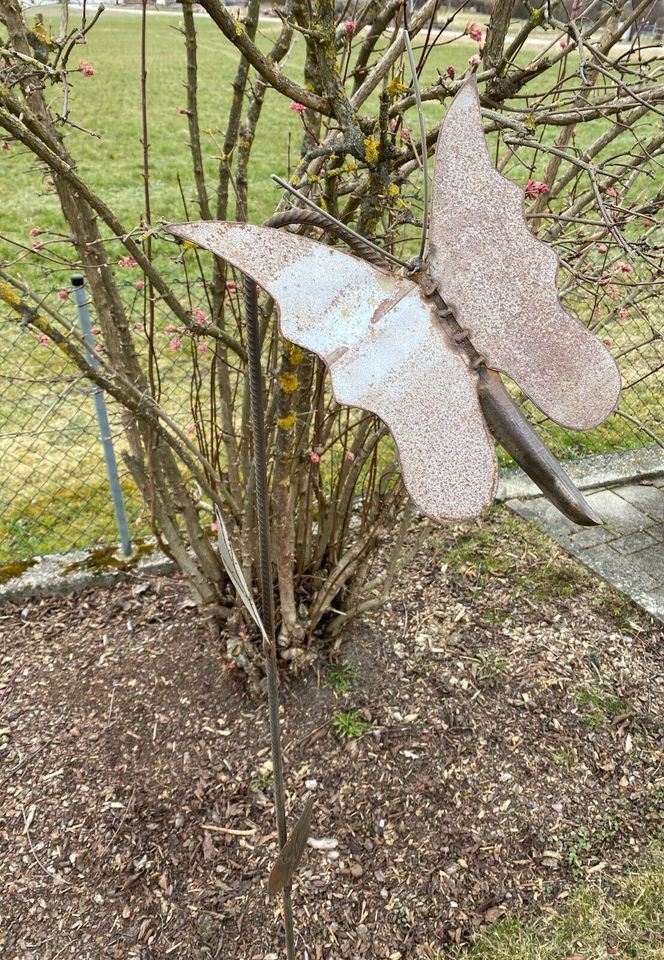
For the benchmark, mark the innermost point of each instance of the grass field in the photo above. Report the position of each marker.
(622, 919)
(53, 493)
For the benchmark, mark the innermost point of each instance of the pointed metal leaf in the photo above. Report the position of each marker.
(286, 863)
(234, 570)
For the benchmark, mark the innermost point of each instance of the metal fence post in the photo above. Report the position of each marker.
(80, 298)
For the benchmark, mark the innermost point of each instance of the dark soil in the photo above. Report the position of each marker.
(511, 741)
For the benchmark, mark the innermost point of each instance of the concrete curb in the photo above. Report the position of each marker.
(79, 569)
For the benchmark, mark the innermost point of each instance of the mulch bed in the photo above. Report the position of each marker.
(515, 745)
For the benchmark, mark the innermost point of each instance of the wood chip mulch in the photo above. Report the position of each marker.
(514, 745)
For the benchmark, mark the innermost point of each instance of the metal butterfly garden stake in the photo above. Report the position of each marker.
(423, 351)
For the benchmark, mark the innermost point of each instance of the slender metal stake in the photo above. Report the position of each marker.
(265, 566)
(81, 301)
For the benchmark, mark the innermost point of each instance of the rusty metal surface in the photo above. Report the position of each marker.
(500, 281)
(515, 434)
(386, 351)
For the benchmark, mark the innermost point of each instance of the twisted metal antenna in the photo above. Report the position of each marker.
(315, 218)
(423, 142)
(338, 224)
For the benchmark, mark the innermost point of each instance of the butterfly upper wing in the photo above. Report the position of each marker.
(500, 280)
(386, 353)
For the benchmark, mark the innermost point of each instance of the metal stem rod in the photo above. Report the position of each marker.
(265, 565)
(81, 301)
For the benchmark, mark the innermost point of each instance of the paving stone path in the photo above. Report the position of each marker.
(628, 550)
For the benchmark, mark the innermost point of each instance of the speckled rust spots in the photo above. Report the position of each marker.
(405, 368)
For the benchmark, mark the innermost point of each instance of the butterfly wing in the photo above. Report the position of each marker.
(500, 280)
(386, 354)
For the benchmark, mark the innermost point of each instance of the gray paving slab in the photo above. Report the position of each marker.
(645, 497)
(631, 542)
(617, 513)
(593, 536)
(627, 550)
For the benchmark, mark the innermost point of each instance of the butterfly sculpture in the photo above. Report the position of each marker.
(421, 350)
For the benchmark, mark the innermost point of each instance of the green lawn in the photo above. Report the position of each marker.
(617, 919)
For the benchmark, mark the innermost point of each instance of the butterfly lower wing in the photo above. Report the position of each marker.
(500, 280)
(386, 353)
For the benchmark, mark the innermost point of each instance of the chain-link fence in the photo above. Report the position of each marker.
(55, 494)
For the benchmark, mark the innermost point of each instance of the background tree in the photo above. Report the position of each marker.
(572, 112)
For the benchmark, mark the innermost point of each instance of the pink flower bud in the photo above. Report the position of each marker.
(63, 294)
(536, 187)
(86, 69)
(297, 107)
(175, 345)
(475, 60)
(314, 457)
(350, 456)
(140, 284)
(474, 32)
(35, 231)
(451, 72)
(127, 262)
(350, 26)
(601, 248)
(43, 339)
(203, 348)
(199, 316)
